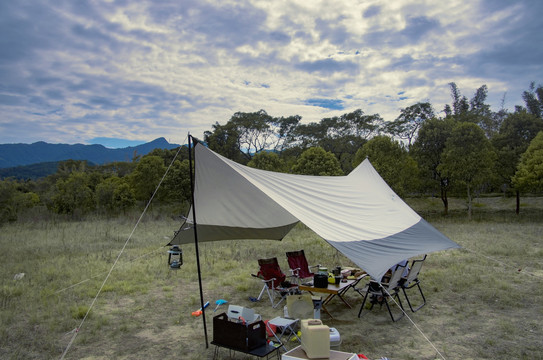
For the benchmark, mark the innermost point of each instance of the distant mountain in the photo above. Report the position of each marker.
(12, 155)
(31, 172)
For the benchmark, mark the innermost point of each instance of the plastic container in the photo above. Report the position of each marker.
(335, 338)
(315, 339)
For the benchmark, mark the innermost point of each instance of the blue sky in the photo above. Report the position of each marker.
(126, 72)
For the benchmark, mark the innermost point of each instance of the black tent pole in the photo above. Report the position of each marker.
(191, 141)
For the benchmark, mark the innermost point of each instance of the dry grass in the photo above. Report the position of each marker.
(479, 305)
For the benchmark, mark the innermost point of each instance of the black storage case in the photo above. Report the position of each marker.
(236, 335)
(320, 281)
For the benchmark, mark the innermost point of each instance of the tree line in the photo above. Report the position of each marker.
(465, 149)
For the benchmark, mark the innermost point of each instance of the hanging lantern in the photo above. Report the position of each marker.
(175, 257)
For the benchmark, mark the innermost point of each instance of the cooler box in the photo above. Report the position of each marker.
(315, 338)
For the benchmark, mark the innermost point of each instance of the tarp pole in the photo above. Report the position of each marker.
(196, 238)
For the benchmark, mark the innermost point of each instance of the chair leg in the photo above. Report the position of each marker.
(270, 295)
(397, 296)
(261, 293)
(409, 302)
(364, 303)
(279, 302)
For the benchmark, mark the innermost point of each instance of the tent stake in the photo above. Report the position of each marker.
(191, 141)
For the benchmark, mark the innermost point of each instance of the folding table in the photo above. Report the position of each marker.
(333, 290)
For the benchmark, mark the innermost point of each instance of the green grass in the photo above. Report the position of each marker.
(480, 306)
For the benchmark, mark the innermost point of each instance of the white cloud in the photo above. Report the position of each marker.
(76, 71)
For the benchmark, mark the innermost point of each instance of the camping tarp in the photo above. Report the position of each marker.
(357, 214)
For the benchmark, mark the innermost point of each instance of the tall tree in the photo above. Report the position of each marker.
(408, 123)
(254, 131)
(146, 177)
(475, 110)
(224, 140)
(247, 134)
(392, 161)
(468, 158)
(529, 176)
(460, 103)
(342, 135)
(512, 140)
(533, 98)
(427, 150)
(176, 185)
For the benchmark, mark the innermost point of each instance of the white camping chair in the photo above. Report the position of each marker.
(412, 280)
(381, 292)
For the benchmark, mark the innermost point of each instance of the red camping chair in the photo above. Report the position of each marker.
(298, 265)
(274, 280)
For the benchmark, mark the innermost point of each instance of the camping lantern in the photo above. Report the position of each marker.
(175, 257)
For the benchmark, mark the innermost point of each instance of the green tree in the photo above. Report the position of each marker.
(224, 140)
(104, 193)
(8, 191)
(123, 197)
(146, 177)
(408, 123)
(468, 158)
(341, 135)
(392, 161)
(267, 160)
(533, 98)
(170, 154)
(176, 185)
(476, 110)
(73, 194)
(427, 150)
(254, 131)
(511, 141)
(117, 168)
(317, 161)
(460, 104)
(247, 134)
(529, 176)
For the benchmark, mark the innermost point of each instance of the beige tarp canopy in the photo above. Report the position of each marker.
(357, 214)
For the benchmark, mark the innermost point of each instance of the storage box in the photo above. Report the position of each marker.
(315, 338)
(238, 335)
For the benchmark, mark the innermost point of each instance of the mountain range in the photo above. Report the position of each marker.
(17, 155)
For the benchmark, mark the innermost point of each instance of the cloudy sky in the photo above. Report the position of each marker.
(94, 71)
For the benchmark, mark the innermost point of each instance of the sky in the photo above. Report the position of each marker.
(121, 73)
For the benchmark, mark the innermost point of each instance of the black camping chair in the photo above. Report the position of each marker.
(383, 292)
(412, 280)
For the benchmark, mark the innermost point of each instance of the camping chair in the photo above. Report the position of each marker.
(381, 292)
(242, 314)
(298, 265)
(412, 280)
(274, 281)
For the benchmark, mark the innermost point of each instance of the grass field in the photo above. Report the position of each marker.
(485, 301)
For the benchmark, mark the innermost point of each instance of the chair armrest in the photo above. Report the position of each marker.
(314, 266)
(295, 272)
